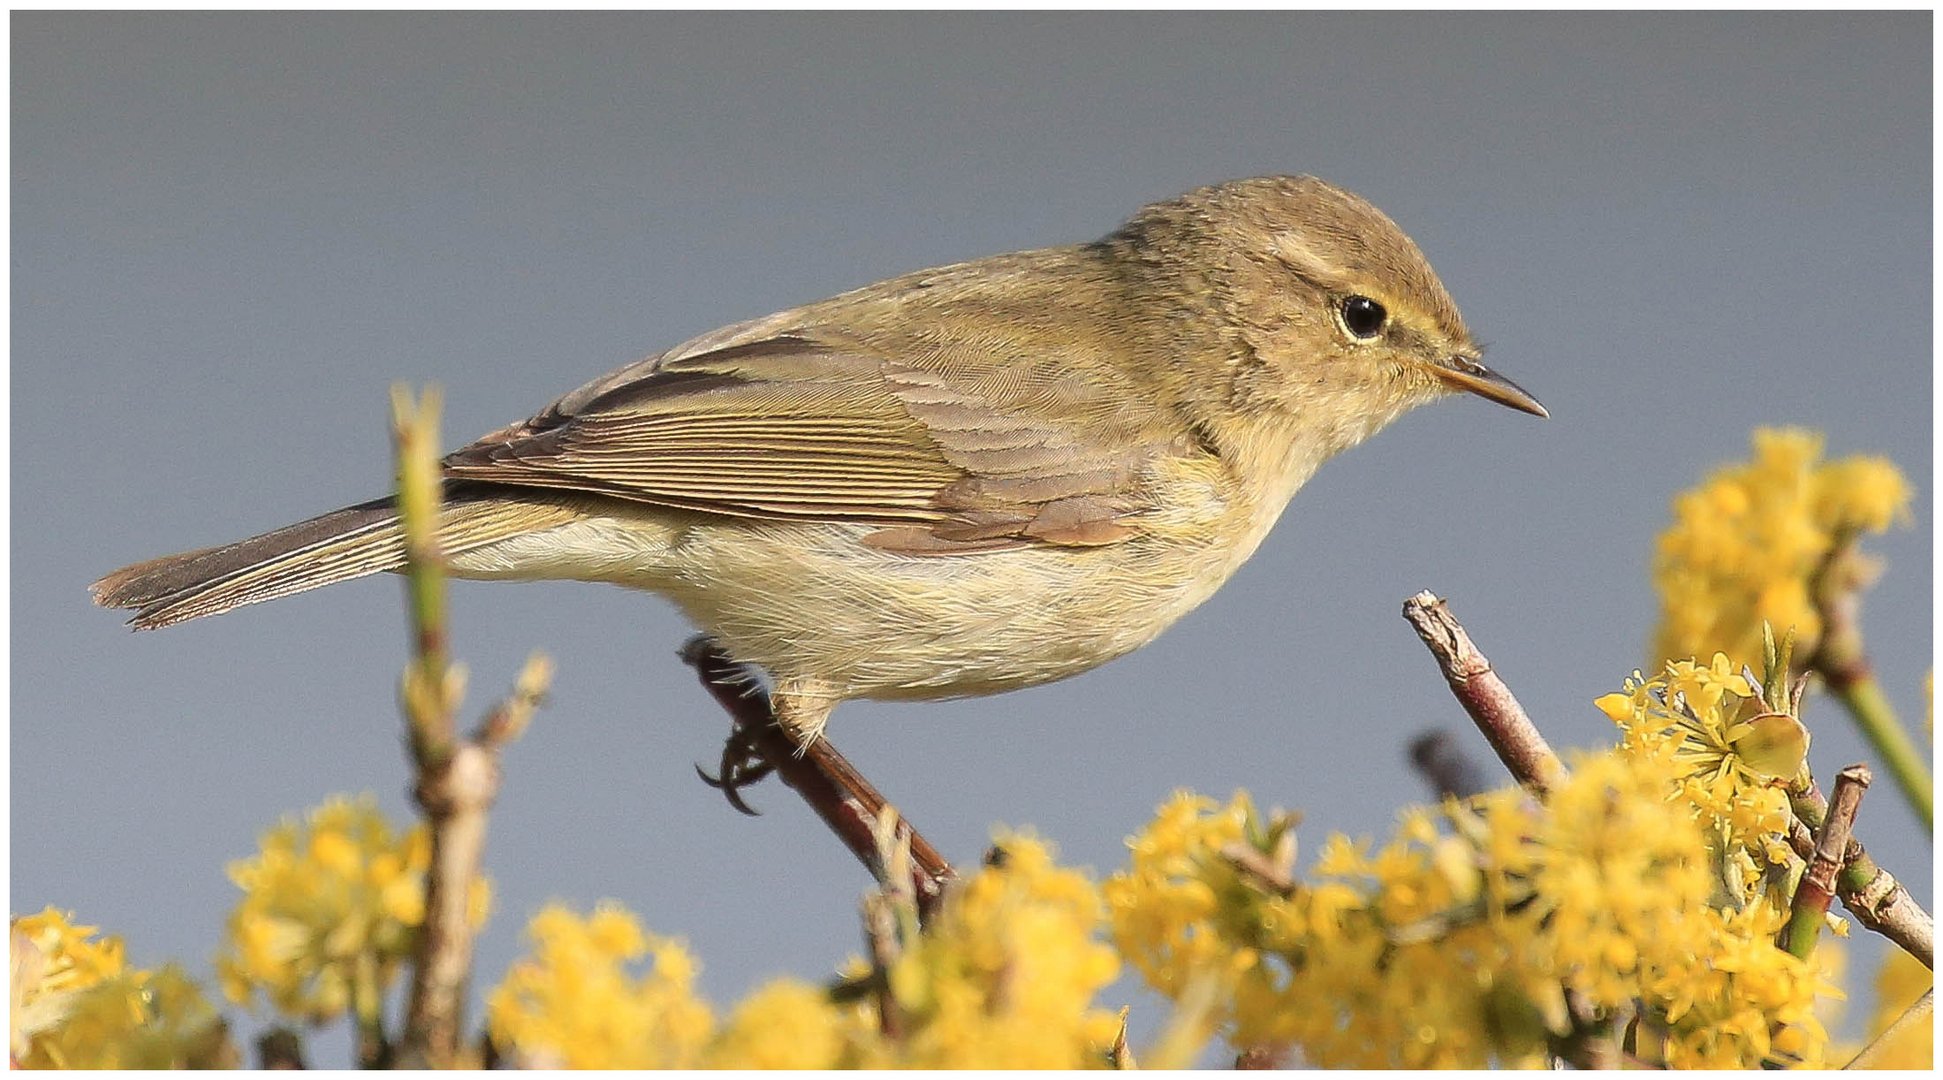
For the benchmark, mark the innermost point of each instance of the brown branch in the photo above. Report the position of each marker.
(1817, 885)
(1842, 660)
(454, 798)
(848, 804)
(1484, 695)
(1836, 587)
(1871, 894)
(880, 937)
(1590, 1044)
(280, 1048)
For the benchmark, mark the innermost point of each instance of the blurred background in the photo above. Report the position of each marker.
(232, 233)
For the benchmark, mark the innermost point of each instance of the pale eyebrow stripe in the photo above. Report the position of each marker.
(1309, 264)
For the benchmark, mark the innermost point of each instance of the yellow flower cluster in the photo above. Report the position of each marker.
(1479, 934)
(1745, 545)
(1005, 977)
(329, 911)
(574, 1005)
(789, 1024)
(75, 1004)
(1734, 758)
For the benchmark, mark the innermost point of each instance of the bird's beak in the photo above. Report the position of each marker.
(1463, 373)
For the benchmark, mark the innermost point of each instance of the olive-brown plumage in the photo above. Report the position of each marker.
(958, 481)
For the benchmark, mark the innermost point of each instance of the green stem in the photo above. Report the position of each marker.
(1873, 714)
(428, 690)
(1804, 929)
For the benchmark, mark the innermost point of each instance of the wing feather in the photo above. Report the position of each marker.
(951, 457)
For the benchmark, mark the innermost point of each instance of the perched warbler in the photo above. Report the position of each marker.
(958, 481)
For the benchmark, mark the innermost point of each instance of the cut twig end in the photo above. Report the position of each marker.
(1484, 695)
(1819, 879)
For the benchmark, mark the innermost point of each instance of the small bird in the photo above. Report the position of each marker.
(956, 482)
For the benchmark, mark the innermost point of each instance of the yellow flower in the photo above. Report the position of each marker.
(53, 960)
(1006, 975)
(1745, 545)
(1456, 943)
(1162, 906)
(1733, 998)
(1731, 754)
(76, 1005)
(329, 911)
(791, 1025)
(573, 1003)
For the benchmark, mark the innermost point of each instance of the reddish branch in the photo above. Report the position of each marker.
(821, 776)
(1484, 695)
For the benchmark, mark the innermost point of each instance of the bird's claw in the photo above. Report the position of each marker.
(741, 766)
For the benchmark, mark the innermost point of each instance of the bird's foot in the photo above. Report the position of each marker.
(742, 765)
(739, 689)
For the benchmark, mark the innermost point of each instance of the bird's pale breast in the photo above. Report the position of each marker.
(809, 600)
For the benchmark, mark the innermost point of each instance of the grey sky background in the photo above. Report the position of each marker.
(232, 233)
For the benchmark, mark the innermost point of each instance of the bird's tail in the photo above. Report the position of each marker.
(338, 546)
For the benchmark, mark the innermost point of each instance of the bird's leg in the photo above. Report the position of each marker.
(738, 689)
(783, 733)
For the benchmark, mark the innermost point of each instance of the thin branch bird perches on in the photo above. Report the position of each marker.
(757, 745)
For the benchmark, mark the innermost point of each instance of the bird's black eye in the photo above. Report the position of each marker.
(1363, 317)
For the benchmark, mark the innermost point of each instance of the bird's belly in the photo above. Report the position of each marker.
(810, 601)
(816, 603)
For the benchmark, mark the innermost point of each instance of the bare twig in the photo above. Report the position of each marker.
(1120, 1055)
(508, 719)
(880, 936)
(372, 1044)
(848, 804)
(1842, 661)
(1267, 863)
(1873, 895)
(1484, 695)
(1817, 885)
(1592, 1042)
(1869, 892)
(1445, 766)
(1259, 868)
(1916, 1016)
(457, 780)
(280, 1048)
(1190, 1025)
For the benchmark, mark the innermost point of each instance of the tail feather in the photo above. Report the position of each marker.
(344, 544)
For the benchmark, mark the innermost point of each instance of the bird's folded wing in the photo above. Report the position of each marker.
(948, 456)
